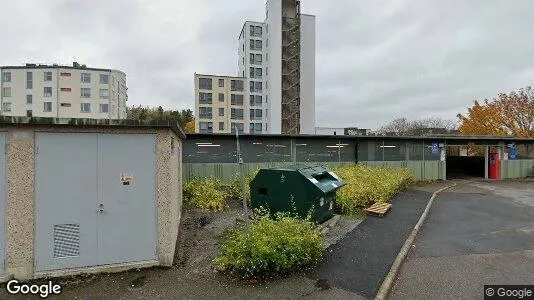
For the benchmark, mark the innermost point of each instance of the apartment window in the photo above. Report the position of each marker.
(237, 85)
(66, 89)
(65, 104)
(258, 45)
(205, 112)
(255, 127)
(6, 92)
(104, 108)
(252, 58)
(85, 93)
(255, 100)
(29, 99)
(237, 99)
(240, 127)
(257, 31)
(221, 112)
(266, 70)
(266, 84)
(255, 114)
(252, 32)
(259, 73)
(252, 72)
(47, 106)
(86, 78)
(65, 74)
(104, 94)
(221, 82)
(251, 42)
(258, 59)
(267, 57)
(259, 86)
(205, 127)
(29, 80)
(267, 41)
(6, 77)
(221, 126)
(221, 97)
(266, 113)
(104, 79)
(205, 98)
(29, 113)
(251, 85)
(204, 83)
(47, 91)
(6, 106)
(237, 114)
(85, 107)
(256, 86)
(48, 76)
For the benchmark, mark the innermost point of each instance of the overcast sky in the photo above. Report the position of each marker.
(376, 59)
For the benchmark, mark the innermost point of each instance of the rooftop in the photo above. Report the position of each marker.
(74, 66)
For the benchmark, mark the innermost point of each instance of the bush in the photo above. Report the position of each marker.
(235, 188)
(206, 194)
(270, 246)
(368, 185)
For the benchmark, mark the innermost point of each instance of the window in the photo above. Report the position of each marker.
(104, 79)
(221, 112)
(255, 114)
(252, 33)
(259, 86)
(85, 107)
(256, 86)
(221, 82)
(267, 71)
(104, 94)
(258, 59)
(65, 74)
(258, 31)
(255, 100)
(29, 80)
(205, 112)
(221, 97)
(255, 127)
(252, 72)
(251, 58)
(259, 73)
(85, 93)
(221, 126)
(104, 108)
(240, 127)
(204, 83)
(65, 104)
(6, 106)
(47, 106)
(29, 113)
(86, 77)
(48, 76)
(267, 41)
(251, 42)
(237, 114)
(205, 127)
(6, 92)
(237, 85)
(29, 99)
(258, 45)
(237, 99)
(66, 89)
(205, 98)
(6, 77)
(267, 57)
(47, 91)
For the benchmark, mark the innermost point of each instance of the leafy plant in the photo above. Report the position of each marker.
(274, 245)
(236, 188)
(206, 194)
(368, 185)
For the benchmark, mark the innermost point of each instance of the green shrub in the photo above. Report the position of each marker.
(368, 185)
(270, 246)
(206, 194)
(235, 187)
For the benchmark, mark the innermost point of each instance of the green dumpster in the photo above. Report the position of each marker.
(278, 189)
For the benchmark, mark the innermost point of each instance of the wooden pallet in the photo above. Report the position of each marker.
(378, 209)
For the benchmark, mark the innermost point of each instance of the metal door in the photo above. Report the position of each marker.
(3, 171)
(127, 230)
(65, 200)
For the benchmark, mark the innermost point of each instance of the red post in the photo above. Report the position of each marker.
(494, 166)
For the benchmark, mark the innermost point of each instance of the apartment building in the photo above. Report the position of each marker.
(57, 91)
(221, 105)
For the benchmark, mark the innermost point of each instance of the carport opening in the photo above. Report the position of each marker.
(466, 162)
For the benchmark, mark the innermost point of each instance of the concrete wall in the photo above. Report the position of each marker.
(274, 51)
(20, 198)
(307, 74)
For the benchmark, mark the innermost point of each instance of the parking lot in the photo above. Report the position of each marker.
(477, 234)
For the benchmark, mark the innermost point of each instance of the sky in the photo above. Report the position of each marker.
(376, 60)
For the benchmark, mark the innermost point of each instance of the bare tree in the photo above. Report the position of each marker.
(403, 126)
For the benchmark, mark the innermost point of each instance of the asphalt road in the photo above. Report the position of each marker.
(359, 262)
(477, 234)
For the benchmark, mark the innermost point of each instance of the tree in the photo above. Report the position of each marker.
(507, 114)
(147, 113)
(403, 126)
(190, 126)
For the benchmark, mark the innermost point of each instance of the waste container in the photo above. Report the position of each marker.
(278, 189)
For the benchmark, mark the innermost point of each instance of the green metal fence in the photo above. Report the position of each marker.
(520, 168)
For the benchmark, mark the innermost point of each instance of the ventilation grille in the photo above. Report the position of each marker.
(66, 240)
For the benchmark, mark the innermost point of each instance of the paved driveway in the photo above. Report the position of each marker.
(478, 233)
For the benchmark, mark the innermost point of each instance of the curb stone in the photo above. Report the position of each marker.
(387, 284)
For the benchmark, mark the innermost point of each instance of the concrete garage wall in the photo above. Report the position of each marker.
(519, 168)
(19, 256)
(423, 170)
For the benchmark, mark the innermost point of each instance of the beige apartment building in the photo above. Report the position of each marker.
(56, 91)
(222, 104)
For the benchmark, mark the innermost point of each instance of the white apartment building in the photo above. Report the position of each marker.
(77, 91)
(221, 105)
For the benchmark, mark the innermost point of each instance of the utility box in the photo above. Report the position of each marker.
(296, 188)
